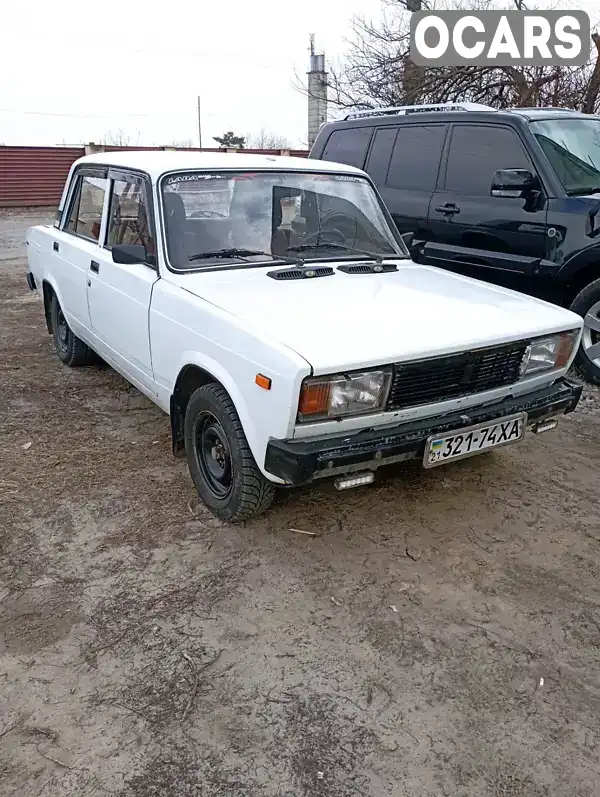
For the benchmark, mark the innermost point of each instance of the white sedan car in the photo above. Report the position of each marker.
(270, 307)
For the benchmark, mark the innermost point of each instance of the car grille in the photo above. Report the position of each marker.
(444, 378)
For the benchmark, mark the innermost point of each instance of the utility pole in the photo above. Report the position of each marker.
(199, 125)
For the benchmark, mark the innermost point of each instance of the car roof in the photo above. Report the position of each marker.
(157, 163)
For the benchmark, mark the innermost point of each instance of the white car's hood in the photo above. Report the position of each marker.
(345, 322)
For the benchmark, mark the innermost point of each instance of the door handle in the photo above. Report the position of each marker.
(55, 246)
(449, 209)
(95, 267)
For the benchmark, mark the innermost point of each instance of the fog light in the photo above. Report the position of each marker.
(346, 482)
(544, 426)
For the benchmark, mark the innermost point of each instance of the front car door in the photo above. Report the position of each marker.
(492, 238)
(403, 163)
(119, 294)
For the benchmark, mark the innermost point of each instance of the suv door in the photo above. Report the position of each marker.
(119, 294)
(494, 238)
(404, 163)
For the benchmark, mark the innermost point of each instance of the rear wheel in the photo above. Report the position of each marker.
(587, 305)
(70, 349)
(221, 464)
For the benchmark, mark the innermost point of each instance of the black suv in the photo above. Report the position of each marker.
(511, 197)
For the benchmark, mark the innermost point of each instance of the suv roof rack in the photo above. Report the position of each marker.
(402, 110)
(544, 109)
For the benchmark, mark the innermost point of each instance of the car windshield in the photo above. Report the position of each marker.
(573, 148)
(216, 219)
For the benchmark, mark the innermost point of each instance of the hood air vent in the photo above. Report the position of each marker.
(368, 268)
(300, 273)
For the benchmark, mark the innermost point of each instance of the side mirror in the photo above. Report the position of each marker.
(514, 183)
(129, 254)
(408, 238)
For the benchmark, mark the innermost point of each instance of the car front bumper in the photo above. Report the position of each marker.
(302, 461)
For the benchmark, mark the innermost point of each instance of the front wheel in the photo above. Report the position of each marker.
(587, 304)
(220, 461)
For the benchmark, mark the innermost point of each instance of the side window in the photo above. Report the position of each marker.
(71, 221)
(416, 157)
(129, 213)
(476, 152)
(85, 213)
(348, 146)
(379, 156)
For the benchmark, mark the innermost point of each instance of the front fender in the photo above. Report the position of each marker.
(580, 261)
(256, 440)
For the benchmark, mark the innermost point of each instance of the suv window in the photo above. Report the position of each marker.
(85, 214)
(416, 157)
(348, 146)
(129, 213)
(477, 152)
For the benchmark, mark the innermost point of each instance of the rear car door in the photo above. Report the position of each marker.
(403, 162)
(119, 294)
(76, 243)
(498, 239)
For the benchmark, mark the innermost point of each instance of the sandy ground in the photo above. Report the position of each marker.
(440, 635)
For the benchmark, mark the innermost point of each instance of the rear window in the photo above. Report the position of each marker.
(348, 146)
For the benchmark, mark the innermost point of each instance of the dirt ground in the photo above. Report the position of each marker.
(439, 637)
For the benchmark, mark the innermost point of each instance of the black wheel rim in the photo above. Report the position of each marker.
(213, 455)
(62, 331)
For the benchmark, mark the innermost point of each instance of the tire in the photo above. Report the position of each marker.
(71, 350)
(587, 305)
(220, 461)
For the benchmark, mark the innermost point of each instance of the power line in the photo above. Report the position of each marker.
(77, 115)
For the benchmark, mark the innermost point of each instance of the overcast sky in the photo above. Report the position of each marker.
(138, 67)
(72, 71)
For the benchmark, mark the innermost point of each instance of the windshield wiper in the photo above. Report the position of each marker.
(224, 253)
(378, 256)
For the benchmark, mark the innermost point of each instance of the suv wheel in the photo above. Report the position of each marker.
(587, 305)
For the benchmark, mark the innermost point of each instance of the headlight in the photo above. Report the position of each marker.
(548, 354)
(332, 396)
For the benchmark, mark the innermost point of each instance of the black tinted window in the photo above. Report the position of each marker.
(379, 156)
(416, 157)
(348, 146)
(477, 152)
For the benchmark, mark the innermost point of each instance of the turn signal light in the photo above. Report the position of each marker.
(263, 381)
(314, 398)
(565, 347)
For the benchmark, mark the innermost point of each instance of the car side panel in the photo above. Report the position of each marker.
(185, 330)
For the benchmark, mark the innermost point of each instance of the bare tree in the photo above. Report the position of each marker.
(118, 138)
(377, 69)
(184, 143)
(265, 139)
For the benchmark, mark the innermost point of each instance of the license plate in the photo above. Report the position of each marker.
(461, 443)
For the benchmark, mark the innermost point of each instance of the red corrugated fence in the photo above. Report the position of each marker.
(31, 176)
(34, 175)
